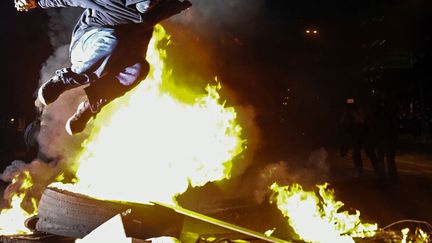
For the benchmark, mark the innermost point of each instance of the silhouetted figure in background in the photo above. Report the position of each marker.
(8, 141)
(385, 130)
(356, 132)
(30, 139)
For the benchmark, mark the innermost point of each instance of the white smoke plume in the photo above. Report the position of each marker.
(61, 24)
(53, 141)
(56, 61)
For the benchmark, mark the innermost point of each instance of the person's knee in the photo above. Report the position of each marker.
(144, 70)
(134, 74)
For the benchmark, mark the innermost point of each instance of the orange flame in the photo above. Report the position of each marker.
(149, 146)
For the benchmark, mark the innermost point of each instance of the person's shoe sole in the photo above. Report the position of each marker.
(82, 112)
(40, 95)
(68, 127)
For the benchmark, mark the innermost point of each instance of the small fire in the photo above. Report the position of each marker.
(418, 236)
(12, 219)
(316, 218)
(149, 146)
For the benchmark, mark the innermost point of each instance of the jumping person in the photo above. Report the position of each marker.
(107, 50)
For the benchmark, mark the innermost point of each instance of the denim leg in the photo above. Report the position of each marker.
(90, 57)
(93, 53)
(125, 66)
(117, 84)
(113, 64)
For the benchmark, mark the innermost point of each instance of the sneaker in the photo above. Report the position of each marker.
(78, 121)
(51, 90)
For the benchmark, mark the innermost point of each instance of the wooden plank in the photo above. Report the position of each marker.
(223, 224)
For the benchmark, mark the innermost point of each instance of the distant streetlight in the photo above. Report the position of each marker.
(312, 32)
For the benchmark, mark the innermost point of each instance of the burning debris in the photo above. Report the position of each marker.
(27, 182)
(149, 146)
(418, 236)
(316, 218)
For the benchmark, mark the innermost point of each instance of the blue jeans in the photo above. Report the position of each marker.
(111, 61)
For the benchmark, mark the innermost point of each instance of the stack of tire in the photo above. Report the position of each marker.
(69, 214)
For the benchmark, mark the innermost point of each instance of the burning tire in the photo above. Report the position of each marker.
(68, 214)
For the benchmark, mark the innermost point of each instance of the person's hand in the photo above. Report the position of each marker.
(25, 5)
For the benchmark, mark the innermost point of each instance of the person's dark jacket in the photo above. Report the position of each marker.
(115, 13)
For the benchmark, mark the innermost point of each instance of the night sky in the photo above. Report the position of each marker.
(284, 72)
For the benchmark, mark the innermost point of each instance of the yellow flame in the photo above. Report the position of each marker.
(423, 236)
(317, 218)
(270, 232)
(405, 233)
(418, 236)
(149, 146)
(12, 219)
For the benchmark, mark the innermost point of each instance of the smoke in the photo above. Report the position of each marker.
(56, 61)
(61, 24)
(210, 17)
(314, 171)
(53, 141)
(38, 173)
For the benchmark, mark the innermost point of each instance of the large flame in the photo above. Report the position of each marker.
(317, 218)
(149, 146)
(12, 219)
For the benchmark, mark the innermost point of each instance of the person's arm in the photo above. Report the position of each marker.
(164, 10)
(66, 3)
(25, 5)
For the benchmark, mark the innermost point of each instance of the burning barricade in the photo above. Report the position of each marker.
(139, 158)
